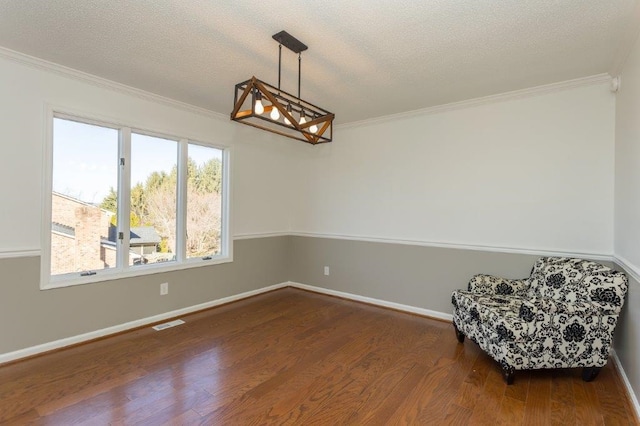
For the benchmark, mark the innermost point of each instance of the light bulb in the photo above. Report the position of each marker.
(275, 114)
(259, 107)
(303, 120)
(313, 128)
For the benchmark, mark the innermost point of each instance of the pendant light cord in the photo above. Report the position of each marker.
(279, 64)
(299, 68)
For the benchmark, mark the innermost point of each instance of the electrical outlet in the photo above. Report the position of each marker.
(326, 270)
(164, 289)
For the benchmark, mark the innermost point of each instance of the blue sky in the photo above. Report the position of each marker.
(85, 158)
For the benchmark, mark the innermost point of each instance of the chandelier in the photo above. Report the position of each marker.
(269, 108)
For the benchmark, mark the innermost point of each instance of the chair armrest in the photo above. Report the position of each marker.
(489, 284)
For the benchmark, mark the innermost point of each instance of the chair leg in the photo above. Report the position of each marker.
(590, 373)
(459, 334)
(508, 374)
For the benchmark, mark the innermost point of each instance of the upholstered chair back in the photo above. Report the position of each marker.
(576, 280)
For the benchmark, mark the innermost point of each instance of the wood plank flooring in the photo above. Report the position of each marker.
(295, 357)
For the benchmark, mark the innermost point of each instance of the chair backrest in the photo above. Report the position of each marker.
(576, 280)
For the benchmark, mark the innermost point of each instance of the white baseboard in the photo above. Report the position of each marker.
(627, 384)
(68, 341)
(73, 340)
(377, 302)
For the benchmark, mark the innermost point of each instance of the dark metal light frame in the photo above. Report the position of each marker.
(247, 92)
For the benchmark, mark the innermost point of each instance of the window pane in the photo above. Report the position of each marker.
(85, 179)
(204, 201)
(154, 177)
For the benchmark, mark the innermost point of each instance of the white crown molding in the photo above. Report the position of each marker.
(627, 383)
(105, 83)
(81, 338)
(470, 103)
(475, 247)
(378, 302)
(12, 254)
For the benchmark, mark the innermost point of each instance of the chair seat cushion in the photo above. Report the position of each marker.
(500, 318)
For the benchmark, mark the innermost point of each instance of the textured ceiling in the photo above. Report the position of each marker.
(366, 58)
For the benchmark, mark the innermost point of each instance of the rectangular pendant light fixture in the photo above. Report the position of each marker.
(269, 108)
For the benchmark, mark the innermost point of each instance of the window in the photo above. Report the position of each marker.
(154, 191)
(85, 162)
(204, 201)
(125, 201)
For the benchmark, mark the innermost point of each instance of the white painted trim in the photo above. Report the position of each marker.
(422, 243)
(181, 201)
(226, 241)
(46, 195)
(104, 83)
(627, 384)
(476, 247)
(73, 279)
(12, 254)
(57, 344)
(470, 103)
(372, 301)
(260, 235)
(123, 204)
(628, 267)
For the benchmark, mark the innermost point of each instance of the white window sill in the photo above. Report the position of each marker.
(69, 280)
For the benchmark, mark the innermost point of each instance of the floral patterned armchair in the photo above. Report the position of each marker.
(562, 316)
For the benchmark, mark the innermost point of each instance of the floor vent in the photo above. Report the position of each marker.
(167, 325)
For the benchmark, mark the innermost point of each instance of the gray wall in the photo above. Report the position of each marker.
(418, 276)
(30, 316)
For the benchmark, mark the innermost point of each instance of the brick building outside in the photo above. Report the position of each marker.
(83, 237)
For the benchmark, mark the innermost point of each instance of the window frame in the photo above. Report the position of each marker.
(122, 268)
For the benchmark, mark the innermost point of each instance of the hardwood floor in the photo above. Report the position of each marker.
(294, 357)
